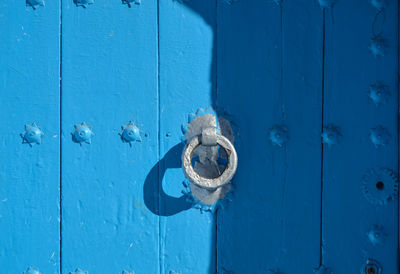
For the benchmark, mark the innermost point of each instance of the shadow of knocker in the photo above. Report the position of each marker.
(155, 199)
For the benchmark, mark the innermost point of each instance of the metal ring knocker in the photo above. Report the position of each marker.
(193, 176)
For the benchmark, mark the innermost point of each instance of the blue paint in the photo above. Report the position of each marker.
(377, 235)
(278, 135)
(129, 2)
(30, 177)
(82, 133)
(130, 133)
(83, 3)
(32, 135)
(371, 266)
(331, 135)
(79, 271)
(331, 187)
(377, 46)
(32, 270)
(379, 136)
(35, 3)
(378, 93)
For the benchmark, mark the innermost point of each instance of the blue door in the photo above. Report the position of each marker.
(100, 99)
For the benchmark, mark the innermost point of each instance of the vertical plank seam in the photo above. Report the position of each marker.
(216, 111)
(60, 133)
(398, 137)
(322, 145)
(158, 137)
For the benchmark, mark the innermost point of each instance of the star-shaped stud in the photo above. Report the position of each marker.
(83, 3)
(322, 270)
(79, 271)
(331, 135)
(35, 3)
(32, 270)
(129, 2)
(32, 135)
(278, 135)
(378, 93)
(82, 134)
(379, 136)
(130, 133)
(377, 46)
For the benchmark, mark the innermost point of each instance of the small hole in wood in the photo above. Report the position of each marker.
(380, 185)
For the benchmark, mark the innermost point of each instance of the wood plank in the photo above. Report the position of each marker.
(186, 38)
(269, 75)
(29, 176)
(350, 191)
(109, 77)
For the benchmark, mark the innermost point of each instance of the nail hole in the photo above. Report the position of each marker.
(379, 185)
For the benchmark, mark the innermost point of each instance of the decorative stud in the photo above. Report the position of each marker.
(272, 271)
(82, 134)
(35, 3)
(278, 135)
(79, 271)
(378, 4)
(331, 135)
(230, 2)
(377, 46)
(327, 3)
(371, 266)
(322, 270)
(379, 136)
(128, 272)
(83, 3)
(376, 235)
(32, 270)
(380, 186)
(130, 133)
(378, 93)
(32, 135)
(129, 2)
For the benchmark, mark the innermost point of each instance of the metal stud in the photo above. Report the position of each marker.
(82, 134)
(129, 2)
(377, 46)
(83, 3)
(32, 135)
(376, 235)
(331, 135)
(327, 3)
(278, 135)
(35, 3)
(379, 136)
(32, 270)
(322, 270)
(378, 93)
(130, 133)
(79, 271)
(378, 4)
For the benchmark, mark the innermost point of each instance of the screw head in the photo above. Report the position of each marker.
(79, 271)
(82, 133)
(380, 185)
